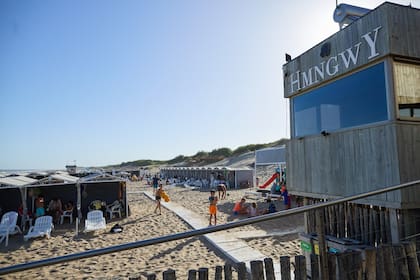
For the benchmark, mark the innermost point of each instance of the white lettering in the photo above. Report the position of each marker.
(307, 78)
(351, 56)
(331, 67)
(372, 43)
(335, 67)
(293, 82)
(320, 72)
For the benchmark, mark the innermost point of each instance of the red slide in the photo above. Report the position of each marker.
(269, 181)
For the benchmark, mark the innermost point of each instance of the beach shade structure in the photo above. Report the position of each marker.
(8, 226)
(95, 221)
(42, 227)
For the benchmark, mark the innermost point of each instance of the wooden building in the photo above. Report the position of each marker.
(355, 115)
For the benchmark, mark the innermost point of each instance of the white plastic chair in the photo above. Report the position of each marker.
(42, 227)
(95, 221)
(8, 226)
(67, 214)
(114, 208)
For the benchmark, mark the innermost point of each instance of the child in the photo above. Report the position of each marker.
(271, 207)
(240, 207)
(212, 207)
(158, 197)
(285, 195)
(253, 211)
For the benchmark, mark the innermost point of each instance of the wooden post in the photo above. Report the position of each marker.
(356, 219)
(203, 273)
(315, 267)
(366, 228)
(228, 271)
(343, 267)
(218, 273)
(300, 268)
(285, 267)
(242, 273)
(388, 262)
(380, 266)
(169, 275)
(257, 270)
(370, 264)
(356, 264)
(306, 216)
(400, 262)
(332, 267)
(371, 227)
(376, 227)
(151, 277)
(192, 274)
(412, 262)
(320, 230)
(393, 226)
(350, 222)
(269, 269)
(383, 226)
(341, 221)
(349, 265)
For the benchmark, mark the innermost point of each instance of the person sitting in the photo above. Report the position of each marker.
(55, 209)
(69, 206)
(240, 207)
(39, 206)
(253, 211)
(271, 207)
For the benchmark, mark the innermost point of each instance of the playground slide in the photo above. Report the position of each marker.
(269, 181)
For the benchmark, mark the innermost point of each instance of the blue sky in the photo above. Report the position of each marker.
(102, 82)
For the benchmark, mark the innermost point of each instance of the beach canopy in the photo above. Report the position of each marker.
(16, 181)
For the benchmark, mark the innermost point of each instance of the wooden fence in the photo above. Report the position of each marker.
(386, 262)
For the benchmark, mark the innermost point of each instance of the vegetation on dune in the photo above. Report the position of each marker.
(202, 157)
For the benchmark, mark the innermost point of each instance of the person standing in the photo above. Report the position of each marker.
(221, 190)
(286, 198)
(213, 208)
(158, 197)
(155, 183)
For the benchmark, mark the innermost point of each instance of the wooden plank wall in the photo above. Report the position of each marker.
(408, 139)
(346, 163)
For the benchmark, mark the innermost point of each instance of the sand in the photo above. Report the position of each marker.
(273, 238)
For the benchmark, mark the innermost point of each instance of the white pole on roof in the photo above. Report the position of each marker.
(79, 206)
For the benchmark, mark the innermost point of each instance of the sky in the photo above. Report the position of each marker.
(102, 82)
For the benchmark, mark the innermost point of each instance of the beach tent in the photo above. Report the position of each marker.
(13, 192)
(81, 191)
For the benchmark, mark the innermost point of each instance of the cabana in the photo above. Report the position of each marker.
(234, 177)
(23, 190)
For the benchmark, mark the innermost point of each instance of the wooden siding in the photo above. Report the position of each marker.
(408, 139)
(399, 35)
(355, 161)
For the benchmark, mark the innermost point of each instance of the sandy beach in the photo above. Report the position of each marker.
(273, 238)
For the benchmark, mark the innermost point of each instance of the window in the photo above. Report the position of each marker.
(407, 90)
(355, 100)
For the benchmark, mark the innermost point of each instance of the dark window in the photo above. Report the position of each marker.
(355, 100)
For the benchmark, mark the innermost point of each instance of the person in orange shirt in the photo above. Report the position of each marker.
(213, 207)
(240, 207)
